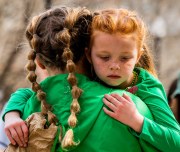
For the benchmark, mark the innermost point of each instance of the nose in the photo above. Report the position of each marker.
(114, 66)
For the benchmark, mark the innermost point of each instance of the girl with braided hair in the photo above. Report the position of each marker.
(68, 100)
(118, 46)
(52, 50)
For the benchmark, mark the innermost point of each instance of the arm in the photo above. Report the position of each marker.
(163, 133)
(18, 100)
(15, 127)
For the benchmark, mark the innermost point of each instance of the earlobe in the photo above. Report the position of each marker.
(88, 55)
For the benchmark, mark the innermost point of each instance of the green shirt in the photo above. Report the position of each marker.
(96, 131)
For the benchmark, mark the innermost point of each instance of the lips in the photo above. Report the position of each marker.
(114, 76)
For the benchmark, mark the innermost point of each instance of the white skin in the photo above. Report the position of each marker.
(113, 57)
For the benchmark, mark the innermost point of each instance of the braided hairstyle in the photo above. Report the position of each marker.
(58, 38)
(125, 22)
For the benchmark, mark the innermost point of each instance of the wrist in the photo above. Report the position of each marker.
(11, 114)
(137, 123)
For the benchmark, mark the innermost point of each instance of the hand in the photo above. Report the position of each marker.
(16, 129)
(123, 109)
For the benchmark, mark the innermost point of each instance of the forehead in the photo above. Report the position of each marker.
(106, 40)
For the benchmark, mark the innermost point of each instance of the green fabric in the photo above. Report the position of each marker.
(19, 100)
(164, 131)
(96, 131)
(56, 140)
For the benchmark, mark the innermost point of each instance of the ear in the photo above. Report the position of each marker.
(88, 55)
(40, 64)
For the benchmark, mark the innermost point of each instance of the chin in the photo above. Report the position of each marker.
(114, 85)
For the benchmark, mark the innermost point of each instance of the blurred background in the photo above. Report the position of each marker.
(162, 18)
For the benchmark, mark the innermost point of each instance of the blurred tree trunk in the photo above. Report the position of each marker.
(48, 4)
(6, 89)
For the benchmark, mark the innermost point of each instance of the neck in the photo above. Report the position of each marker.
(54, 71)
(131, 82)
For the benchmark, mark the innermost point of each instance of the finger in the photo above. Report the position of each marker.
(109, 104)
(16, 137)
(10, 137)
(112, 100)
(108, 112)
(25, 132)
(20, 134)
(119, 98)
(127, 97)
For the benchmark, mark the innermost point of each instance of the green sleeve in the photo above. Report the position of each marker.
(164, 131)
(18, 100)
(166, 139)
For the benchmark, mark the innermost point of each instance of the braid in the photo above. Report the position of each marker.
(31, 67)
(146, 61)
(76, 92)
(77, 35)
(72, 38)
(59, 38)
(34, 41)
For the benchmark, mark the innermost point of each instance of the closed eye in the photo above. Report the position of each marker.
(105, 58)
(124, 59)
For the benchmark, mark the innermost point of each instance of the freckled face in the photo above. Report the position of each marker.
(113, 57)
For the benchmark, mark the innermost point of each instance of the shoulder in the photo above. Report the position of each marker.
(86, 83)
(148, 84)
(144, 77)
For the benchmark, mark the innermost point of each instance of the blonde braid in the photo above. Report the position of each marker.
(76, 92)
(76, 23)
